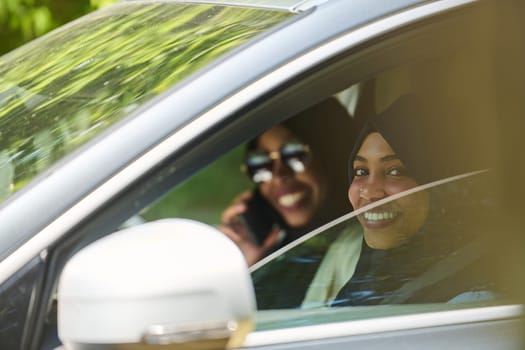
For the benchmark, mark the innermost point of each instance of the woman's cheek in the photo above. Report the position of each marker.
(265, 190)
(395, 187)
(353, 194)
(315, 179)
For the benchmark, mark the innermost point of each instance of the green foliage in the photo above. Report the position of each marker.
(101, 3)
(24, 20)
(205, 195)
(58, 92)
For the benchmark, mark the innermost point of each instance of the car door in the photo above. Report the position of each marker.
(383, 51)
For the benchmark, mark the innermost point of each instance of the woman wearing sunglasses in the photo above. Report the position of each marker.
(296, 169)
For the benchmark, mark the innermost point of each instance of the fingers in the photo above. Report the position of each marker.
(231, 234)
(238, 206)
(257, 252)
(273, 238)
(251, 251)
(230, 215)
(243, 197)
(237, 232)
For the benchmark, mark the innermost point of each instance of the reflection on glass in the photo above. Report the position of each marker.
(60, 91)
(445, 254)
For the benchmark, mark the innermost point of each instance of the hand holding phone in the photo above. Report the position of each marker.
(260, 218)
(252, 223)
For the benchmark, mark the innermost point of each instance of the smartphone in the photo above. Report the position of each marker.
(260, 218)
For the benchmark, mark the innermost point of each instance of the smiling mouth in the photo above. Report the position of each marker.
(380, 216)
(290, 200)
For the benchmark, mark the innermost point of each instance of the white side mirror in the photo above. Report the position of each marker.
(168, 282)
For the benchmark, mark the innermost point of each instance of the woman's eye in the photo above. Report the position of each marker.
(396, 171)
(360, 172)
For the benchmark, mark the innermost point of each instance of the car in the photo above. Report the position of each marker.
(122, 134)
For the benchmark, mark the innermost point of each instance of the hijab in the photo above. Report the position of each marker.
(433, 142)
(434, 138)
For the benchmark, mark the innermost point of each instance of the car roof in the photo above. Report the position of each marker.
(285, 5)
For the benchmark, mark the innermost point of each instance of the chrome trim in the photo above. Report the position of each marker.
(164, 334)
(307, 4)
(119, 181)
(383, 324)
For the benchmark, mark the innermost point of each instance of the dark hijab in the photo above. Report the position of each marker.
(433, 142)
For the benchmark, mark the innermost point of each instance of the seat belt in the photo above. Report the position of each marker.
(442, 269)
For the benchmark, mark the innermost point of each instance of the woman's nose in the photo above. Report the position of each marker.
(280, 169)
(373, 189)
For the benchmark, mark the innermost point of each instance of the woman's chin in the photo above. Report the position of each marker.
(383, 238)
(297, 219)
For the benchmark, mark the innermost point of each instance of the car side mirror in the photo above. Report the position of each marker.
(167, 284)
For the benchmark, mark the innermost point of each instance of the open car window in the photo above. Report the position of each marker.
(447, 261)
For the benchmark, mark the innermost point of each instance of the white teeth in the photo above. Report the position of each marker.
(289, 200)
(379, 216)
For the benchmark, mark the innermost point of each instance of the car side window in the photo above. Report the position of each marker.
(378, 141)
(354, 261)
(424, 204)
(203, 196)
(277, 186)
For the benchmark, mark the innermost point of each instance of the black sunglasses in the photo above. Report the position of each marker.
(259, 165)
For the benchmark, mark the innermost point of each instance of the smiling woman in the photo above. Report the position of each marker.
(377, 174)
(410, 235)
(298, 180)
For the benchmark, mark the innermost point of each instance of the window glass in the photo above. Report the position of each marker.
(295, 171)
(275, 188)
(419, 234)
(407, 222)
(203, 196)
(60, 91)
(444, 258)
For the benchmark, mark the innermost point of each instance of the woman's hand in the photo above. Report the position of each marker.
(232, 227)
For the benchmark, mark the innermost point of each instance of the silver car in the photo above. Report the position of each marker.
(122, 135)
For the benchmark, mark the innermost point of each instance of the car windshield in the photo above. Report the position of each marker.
(446, 259)
(60, 91)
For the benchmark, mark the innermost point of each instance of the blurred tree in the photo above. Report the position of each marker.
(24, 20)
